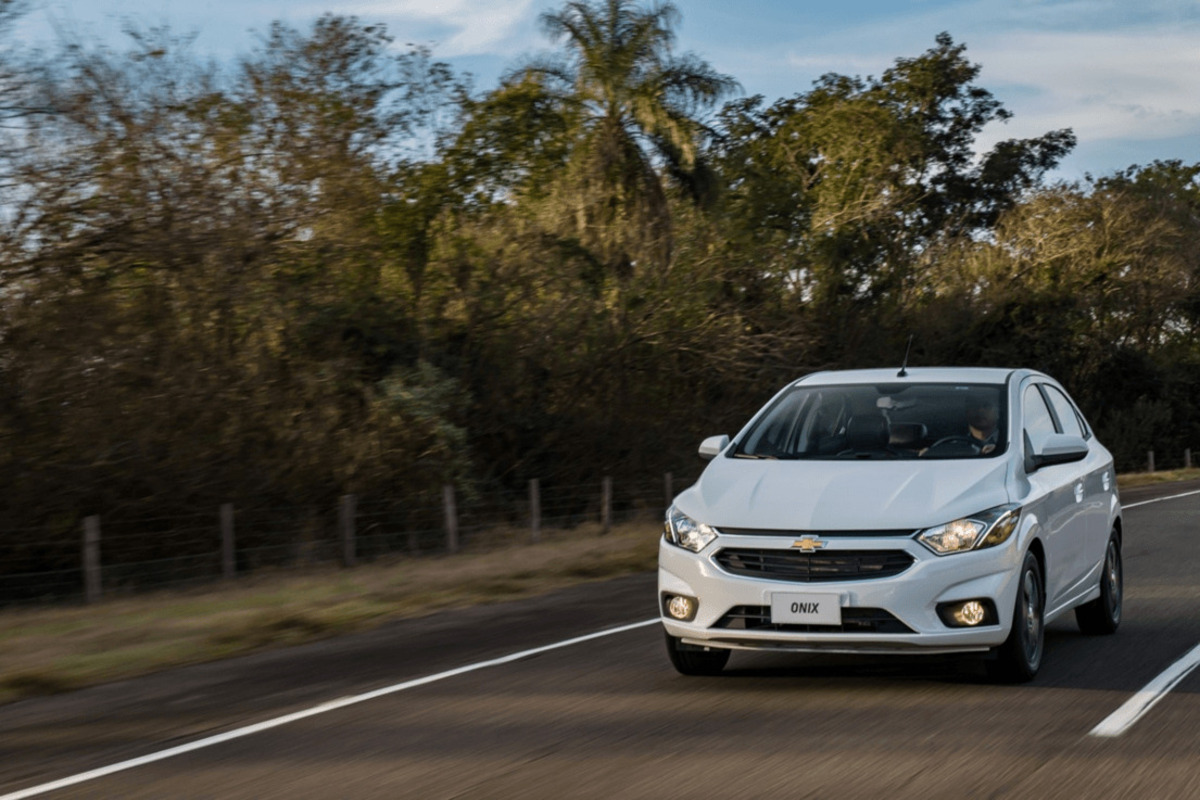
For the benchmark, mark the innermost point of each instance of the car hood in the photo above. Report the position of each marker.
(843, 495)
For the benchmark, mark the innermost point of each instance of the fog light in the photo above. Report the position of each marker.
(680, 607)
(970, 613)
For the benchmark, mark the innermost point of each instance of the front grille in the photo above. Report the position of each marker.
(819, 534)
(830, 565)
(854, 620)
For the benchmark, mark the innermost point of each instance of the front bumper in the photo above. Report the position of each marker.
(910, 597)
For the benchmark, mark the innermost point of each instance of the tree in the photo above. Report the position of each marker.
(15, 101)
(856, 178)
(200, 304)
(633, 110)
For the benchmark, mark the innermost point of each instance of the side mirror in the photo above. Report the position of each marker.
(711, 447)
(1058, 448)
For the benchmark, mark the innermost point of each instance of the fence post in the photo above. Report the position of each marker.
(91, 559)
(346, 509)
(606, 505)
(535, 510)
(1150, 461)
(228, 564)
(1187, 458)
(668, 490)
(451, 513)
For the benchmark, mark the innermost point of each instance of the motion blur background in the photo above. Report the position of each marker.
(332, 264)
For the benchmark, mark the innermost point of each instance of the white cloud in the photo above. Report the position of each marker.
(1112, 70)
(457, 27)
(845, 64)
(1104, 85)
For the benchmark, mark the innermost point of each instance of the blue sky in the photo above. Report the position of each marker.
(1124, 74)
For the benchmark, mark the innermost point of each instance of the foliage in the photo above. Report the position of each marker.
(336, 268)
(857, 178)
(631, 115)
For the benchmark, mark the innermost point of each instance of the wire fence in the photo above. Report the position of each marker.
(128, 554)
(83, 560)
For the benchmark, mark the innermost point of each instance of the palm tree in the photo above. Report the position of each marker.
(634, 119)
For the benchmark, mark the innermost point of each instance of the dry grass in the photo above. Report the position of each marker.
(49, 650)
(1132, 479)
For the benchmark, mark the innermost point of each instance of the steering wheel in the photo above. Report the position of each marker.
(951, 441)
(954, 440)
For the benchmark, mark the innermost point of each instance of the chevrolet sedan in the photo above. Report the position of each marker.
(930, 511)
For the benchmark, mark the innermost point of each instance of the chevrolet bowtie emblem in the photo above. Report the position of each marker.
(808, 544)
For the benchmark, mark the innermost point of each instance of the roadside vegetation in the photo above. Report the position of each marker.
(55, 649)
(1133, 480)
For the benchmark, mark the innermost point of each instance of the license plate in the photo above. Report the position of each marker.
(806, 608)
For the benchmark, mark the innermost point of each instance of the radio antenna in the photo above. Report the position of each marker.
(903, 373)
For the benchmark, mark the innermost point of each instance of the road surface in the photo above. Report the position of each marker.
(608, 717)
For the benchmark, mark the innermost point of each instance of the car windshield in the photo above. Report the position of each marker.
(884, 421)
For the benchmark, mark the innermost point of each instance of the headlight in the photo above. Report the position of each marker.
(985, 529)
(682, 530)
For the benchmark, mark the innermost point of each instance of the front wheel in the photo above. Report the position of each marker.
(1103, 615)
(691, 660)
(1020, 657)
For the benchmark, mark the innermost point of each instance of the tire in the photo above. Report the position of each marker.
(689, 660)
(1020, 657)
(1102, 616)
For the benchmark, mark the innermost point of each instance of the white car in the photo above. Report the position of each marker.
(930, 510)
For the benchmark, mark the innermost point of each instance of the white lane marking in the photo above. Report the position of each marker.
(1143, 503)
(332, 705)
(1135, 707)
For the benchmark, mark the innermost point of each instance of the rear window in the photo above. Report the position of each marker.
(881, 421)
(1068, 417)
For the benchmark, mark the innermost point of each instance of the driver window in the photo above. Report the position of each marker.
(1037, 419)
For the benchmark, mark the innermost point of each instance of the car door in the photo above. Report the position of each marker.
(1094, 479)
(1056, 497)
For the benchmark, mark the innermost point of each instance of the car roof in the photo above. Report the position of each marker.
(985, 375)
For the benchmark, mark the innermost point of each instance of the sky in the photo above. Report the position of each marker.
(1123, 74)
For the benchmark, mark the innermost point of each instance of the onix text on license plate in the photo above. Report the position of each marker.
(806, 608)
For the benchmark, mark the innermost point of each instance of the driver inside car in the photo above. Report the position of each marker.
(982, 413)
(983, 416)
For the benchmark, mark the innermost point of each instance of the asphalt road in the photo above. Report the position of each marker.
(609, 718)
